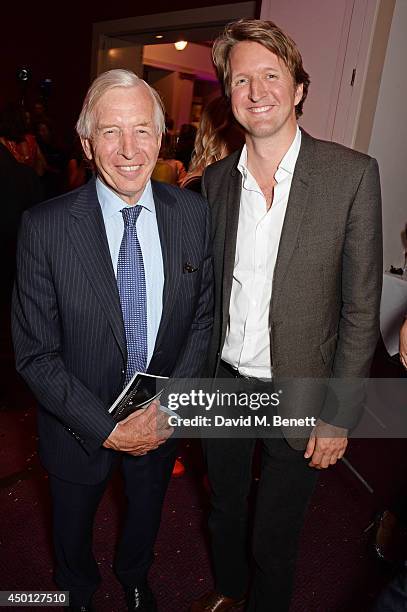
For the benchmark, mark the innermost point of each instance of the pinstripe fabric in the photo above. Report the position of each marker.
(67, 323)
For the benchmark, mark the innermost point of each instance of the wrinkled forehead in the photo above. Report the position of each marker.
(135, 101)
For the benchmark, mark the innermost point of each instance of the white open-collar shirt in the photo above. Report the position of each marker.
(247, 342)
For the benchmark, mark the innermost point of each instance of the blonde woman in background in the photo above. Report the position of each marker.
(217, 137)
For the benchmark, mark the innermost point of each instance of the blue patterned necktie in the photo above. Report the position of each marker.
(131, 282)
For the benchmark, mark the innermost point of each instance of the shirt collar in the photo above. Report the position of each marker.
(287, 163)
(111, 203)
(290, 158)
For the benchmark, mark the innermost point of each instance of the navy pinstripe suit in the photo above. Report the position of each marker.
(68, 329)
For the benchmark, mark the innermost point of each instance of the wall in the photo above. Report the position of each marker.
(389, 139)
(166, 86)
(176, 93)
(334, 36)
(122, 55)
(317, 27)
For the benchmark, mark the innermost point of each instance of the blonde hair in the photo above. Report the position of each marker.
(105, 82)
(269, 35)
(217, 136)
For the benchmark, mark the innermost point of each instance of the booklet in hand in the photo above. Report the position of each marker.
(140, 391)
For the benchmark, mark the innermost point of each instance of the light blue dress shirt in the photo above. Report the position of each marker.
(147, 233)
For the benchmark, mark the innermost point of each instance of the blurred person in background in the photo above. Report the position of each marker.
(79, 169)
(54, 156)
(185, 144)
(20, 189)
(218, 136)
(391, 533)
(168, 169)
(14, 135)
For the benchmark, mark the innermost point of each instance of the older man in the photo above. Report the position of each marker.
(112, 278)
(297, 259)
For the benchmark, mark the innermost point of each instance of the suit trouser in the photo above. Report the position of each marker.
(284, 489)
(394, 597)
(74, 509)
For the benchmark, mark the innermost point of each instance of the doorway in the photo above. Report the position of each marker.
(184, 78)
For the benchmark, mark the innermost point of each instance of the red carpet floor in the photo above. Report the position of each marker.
(336, 571)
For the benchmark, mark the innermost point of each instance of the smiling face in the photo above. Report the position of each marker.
(263, 94)
(125, 142)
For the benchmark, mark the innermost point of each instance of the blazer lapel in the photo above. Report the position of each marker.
(170, 230)
(297, 203)
(231, 226)
(88, 235)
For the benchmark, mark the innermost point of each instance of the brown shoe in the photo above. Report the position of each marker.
(214, 602)
(390, 539)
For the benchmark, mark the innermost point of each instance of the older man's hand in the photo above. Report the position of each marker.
(140, 432)
(326, 445)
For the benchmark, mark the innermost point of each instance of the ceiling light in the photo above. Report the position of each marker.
(159, 36)
(180, 45)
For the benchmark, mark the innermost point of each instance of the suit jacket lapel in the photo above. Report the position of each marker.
(170, 230)
(297, 202)
(231, 226)
(88, 235)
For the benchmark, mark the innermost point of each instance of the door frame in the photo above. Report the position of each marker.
(104, 31)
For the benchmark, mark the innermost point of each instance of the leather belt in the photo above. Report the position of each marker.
(236, 374)
(231, 370)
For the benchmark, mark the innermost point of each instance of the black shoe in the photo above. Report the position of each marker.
(140, 598)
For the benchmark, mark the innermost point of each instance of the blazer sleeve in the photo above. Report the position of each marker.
(362, 274)
(192, 359)
(38, 338)
(359, 327)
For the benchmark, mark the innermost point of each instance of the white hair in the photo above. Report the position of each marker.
(109, 80)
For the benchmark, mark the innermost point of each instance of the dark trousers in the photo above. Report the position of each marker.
(394, 597)
(74, 509)
(284, 490)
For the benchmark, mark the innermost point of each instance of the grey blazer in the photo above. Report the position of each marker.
(324, 307)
